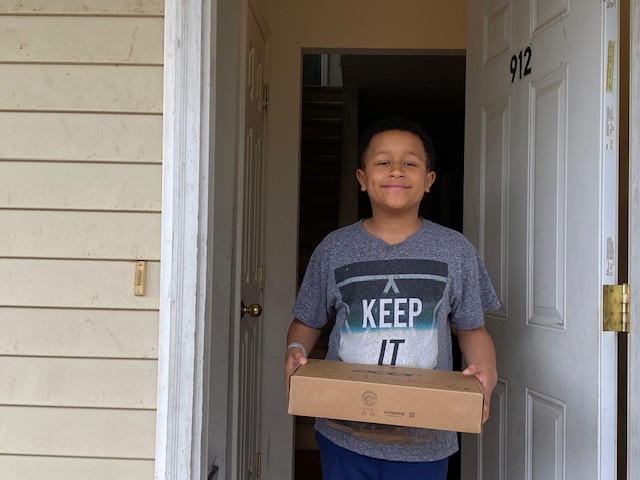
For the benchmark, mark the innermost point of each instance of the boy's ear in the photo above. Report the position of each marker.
(431, 178)
(360, 177)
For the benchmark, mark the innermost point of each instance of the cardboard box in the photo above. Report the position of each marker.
(389, 395)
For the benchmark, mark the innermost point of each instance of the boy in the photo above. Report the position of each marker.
(397, 285)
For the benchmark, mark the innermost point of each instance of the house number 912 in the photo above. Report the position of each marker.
(520, 64)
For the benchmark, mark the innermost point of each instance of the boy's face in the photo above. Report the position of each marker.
(395, 174)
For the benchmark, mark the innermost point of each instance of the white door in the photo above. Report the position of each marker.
(540, 157)
(247, 380)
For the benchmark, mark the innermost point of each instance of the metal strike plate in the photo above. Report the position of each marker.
(140, 279)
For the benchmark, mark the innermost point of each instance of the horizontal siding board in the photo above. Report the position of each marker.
(80, 136)
(75, 283)
(70, 234)
(85, 7)
(77, 432)
(79, 333)
(81, 186)
(60, 39)
(78, 382)
(18, 467)
(80, 192)
(88, 88)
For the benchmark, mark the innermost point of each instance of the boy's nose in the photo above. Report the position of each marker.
(396, 171)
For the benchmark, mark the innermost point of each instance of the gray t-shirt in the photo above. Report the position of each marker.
(394, 305)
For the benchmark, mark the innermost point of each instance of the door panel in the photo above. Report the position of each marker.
(535, 177)
(250, 331)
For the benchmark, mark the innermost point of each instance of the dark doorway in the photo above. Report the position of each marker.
(428, 88)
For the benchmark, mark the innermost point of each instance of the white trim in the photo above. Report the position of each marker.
(633, 398)
(609, 201)
(182, 404)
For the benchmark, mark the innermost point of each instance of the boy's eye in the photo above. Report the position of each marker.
(410, 164)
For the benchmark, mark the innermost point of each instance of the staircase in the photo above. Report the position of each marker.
(321, 154)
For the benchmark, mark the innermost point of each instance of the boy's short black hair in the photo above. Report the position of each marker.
(404, 125)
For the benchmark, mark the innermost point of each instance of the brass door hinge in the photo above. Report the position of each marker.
(257, 460)
(615, 308)
(265, 96)
(262, 274)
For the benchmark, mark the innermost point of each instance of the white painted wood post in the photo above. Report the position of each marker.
(182, 367)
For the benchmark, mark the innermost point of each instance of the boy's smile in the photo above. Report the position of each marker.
(394, 173)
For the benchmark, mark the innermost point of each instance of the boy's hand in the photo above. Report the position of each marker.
(488, 379)
(480, 354)
(294, 357)
(300, 339)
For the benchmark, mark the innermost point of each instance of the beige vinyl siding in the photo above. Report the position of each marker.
(79, 432)
(80, 203)
(130, 187)
(63, 468)
(76, 39)
(75, 332)
(124, 89)
(86, 234)
(124, 7)
(75, 283)
(72, 382)
(81, 137)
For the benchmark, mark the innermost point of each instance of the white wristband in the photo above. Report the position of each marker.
(304, 350)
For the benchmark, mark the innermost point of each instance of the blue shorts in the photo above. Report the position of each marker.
(341, 464)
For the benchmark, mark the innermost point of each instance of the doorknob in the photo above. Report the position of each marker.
(254, 310)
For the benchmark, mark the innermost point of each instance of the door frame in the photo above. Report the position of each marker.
(186, 242)
(633, 406)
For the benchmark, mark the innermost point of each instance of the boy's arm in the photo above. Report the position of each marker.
(480, 355)
(301, 334)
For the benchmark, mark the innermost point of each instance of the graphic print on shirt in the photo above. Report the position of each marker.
(392, 307)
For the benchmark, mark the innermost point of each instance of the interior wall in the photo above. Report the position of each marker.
(357, 26)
